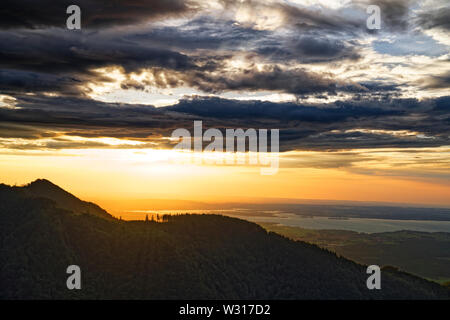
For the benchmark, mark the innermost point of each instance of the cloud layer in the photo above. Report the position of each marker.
(312, 70)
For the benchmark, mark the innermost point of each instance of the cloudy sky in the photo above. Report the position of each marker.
(363, 114)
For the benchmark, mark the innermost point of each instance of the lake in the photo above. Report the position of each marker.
(356, 224)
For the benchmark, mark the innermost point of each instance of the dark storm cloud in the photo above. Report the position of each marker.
(12, 81)
(437, 18)
(394, 13)
(438, 81)
(316, 20)
(297, 81)
(203, 32)
(324, 48)
(442, 105)
(58, 61)
(57, 51)
(23, 131)
(72, 111)
(233, 109)
(309, 49)
(334, 126)
(34, 14)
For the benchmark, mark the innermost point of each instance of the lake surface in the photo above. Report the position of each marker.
(357, 224)
(294, 220)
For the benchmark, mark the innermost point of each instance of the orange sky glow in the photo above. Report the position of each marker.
(114, 176)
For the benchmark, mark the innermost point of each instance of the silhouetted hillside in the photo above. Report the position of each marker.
(186, 257)
(63, 199)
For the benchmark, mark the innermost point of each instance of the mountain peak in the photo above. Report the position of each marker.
(47, 189)
(63, 199)
(42, 183)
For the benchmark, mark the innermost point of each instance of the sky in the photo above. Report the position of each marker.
(362, 114)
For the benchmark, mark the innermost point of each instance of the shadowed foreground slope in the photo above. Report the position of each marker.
(187, 257)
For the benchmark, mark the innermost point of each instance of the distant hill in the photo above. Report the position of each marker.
(426, 254)
(186, 257)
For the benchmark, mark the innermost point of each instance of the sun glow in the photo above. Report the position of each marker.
(125, 170)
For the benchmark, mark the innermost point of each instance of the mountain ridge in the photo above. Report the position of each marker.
(63, 199)
(185, 257)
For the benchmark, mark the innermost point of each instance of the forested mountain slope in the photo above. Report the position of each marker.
(186, 257)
